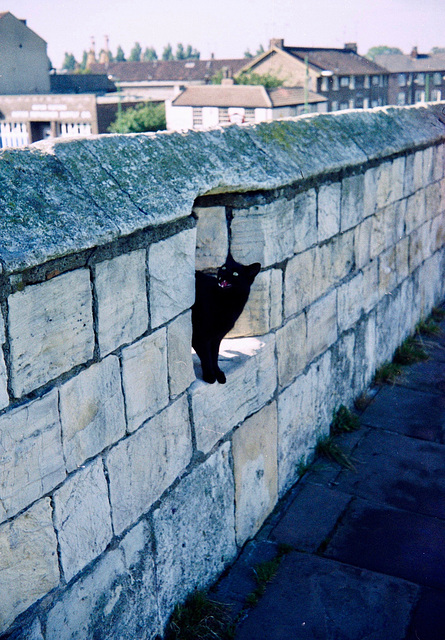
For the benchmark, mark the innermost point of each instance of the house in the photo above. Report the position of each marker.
(205, 106)
(163, 79)
(24, 63)
(29, 118)
(418, 77)
(344, 78)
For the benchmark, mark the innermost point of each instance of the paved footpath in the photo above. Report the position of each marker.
(365, 549)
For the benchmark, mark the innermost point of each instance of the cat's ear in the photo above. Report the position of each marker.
(253, 270)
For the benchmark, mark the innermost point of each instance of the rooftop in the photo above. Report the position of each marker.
(249, 96)
(401, 63)
(168, 70)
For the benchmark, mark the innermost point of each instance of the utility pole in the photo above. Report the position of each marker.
(306, 85)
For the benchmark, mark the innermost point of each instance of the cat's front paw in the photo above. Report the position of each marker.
(210, 378)
(221, 377)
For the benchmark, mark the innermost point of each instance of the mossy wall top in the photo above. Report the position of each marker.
(62, 197)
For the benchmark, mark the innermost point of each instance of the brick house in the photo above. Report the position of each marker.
(24, 62)
(164, 79)
(346, 79)
(418, 77)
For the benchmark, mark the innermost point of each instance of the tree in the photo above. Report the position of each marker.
(260, 50)
(136, 52)
(148, 116)
(69, 62)
(83, 64)
(167, 54)
(192, 54)
(149, 54)
(180, 53)
(382, 50)
(120, 56)
(247, 54)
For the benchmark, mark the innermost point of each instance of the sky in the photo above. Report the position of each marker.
(227, 28)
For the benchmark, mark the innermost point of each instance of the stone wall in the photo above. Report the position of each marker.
(125, 483)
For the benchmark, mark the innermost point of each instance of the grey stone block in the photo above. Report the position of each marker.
(121, 287)
(142, 466)
(263, 310)
(194, 531)
(92, 411)
(329, 200)
(352, 201)
(291, 349)
(212, 237)
(145, 378)
(299, 282)
(82, 518)
(30, 454)
(256, 474)
(179, 350)
(51, 329)
(116, 601)
(28, 561)
(250, 368)
(305, 220)
(321, 325)
(263, 233)
(171, 265)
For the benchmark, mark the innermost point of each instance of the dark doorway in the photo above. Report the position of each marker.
(40, 131)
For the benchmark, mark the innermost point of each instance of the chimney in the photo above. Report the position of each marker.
(276, 42)
(91, 58)
(414, 53)
(351, 46)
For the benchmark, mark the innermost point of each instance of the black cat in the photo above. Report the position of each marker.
(219, 303)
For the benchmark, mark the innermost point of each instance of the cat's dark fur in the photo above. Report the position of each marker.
(219, 303)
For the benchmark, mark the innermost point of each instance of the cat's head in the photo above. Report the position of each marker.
(234, 274)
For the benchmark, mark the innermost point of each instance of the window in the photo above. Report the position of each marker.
(375, 81)
(359, 103)
(223, 115)
(419, 96)
(197, 116)
(401, 99)
(324, 84)
(436, 94)
(334, 105)
(249, 115)
(437, 79)
(402, 80)
(359, 82)
(420, 78)
(344, 81)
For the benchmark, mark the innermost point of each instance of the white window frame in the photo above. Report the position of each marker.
(344, 82)
(437, 79)
(197, 116)
(223, 115)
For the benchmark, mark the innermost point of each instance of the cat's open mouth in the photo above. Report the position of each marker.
(224, 284)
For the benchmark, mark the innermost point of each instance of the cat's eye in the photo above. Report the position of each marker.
(235, 273)
(223, 268)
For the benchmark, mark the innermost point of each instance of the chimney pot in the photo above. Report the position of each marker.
(414, 53)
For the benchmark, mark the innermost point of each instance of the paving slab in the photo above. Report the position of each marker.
(391, 541)
(313, 598)
(310, 518)
(397, 471)
(413, 413)
(426, 376)
(428, 620)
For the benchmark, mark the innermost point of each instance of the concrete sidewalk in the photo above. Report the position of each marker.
(365, 549)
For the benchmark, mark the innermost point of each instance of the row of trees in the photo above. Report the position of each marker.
(137, 54)
(182, 52)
